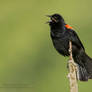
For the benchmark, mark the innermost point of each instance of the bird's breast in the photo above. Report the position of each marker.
(60, 42)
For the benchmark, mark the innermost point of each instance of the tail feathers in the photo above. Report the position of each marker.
(84, 65)
(82, 74)
(88, 66)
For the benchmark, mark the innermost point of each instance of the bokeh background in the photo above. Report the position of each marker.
(28, 60)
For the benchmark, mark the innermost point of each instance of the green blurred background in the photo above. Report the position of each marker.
(28, 61)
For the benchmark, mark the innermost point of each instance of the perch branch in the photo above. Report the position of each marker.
(72, 71)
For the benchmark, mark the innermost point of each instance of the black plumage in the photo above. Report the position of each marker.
(61, 34)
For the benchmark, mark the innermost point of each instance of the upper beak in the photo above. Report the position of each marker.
(48, 16)
(50, 19)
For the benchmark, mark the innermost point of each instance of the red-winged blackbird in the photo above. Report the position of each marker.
(61, 33)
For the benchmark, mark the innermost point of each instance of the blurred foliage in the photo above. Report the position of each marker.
(28, 60)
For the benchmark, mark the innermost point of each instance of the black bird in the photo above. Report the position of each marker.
(61, 33)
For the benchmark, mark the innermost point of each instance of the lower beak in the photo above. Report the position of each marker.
(49, 21)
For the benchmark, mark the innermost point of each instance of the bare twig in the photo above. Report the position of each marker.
(72, 71)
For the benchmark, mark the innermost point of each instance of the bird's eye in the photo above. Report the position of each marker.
(55, 17)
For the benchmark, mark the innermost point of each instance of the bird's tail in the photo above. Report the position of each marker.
(84, 65)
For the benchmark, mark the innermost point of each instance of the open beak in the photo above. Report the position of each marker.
(49, 20)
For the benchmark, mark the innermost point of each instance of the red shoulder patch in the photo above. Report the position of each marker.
(68, 27)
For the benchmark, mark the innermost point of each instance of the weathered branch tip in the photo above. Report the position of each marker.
(72, 71)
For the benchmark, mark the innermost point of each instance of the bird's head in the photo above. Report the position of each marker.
(55, 19)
